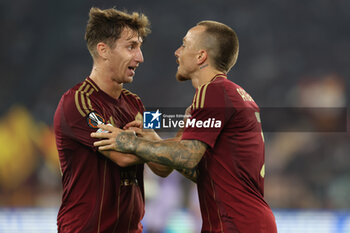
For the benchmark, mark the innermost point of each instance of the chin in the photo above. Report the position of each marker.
(181, 78)
(128, 79)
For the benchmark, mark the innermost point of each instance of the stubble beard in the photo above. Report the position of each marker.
(181, 78)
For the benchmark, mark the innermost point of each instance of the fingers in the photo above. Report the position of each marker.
(108, 141)
(138, 131)
(109, 128)
(135, 123)
(102, 143)
(100, 135)
(107, 147)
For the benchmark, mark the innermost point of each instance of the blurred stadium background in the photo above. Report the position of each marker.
(292, 54)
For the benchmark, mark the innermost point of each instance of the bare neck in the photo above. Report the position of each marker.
(203, 76)
(105, 82)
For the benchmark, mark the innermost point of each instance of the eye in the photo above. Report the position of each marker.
(132, 46)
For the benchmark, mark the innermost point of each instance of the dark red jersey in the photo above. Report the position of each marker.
(231, 172)
(98, 195)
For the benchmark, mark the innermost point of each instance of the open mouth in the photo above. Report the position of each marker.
(133, 68)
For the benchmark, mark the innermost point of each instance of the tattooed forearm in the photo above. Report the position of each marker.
(176, 154)
(191, 174)
(183, 154)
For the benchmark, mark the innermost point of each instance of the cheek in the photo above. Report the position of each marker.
(188, 61)
(115, 59)
(119, 58)
(184, 58)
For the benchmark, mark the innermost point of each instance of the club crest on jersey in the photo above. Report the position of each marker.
(93, 119)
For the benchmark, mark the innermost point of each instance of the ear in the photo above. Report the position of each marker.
(202, 57)
(102, 50)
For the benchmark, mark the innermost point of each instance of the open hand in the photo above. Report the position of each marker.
(115, 139)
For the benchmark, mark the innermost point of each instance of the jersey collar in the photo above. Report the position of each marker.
(222, 75)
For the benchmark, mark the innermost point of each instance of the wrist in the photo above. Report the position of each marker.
(134, 142)
(126, 142)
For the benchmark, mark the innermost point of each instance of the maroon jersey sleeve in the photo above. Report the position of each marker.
(209, 114)
(76, 120)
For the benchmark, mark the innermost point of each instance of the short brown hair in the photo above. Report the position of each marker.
(222, 44)
(107, 25)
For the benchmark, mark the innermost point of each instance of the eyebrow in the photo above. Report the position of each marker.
(134, 42)
(138, 40)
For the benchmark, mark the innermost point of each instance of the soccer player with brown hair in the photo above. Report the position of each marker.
(103, 193)
(222, 146)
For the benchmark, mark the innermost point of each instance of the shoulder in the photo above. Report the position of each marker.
(78, 98)
(234, 91)
(130, 94)
(132, 97)
(211, 94)
(219, 87)
(225, 85)
(221, 92)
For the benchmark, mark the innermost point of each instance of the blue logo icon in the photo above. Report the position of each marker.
(151, 120)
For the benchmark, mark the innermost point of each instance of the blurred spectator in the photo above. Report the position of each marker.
(28, 159)
(310, 169)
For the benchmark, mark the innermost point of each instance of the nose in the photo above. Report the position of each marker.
(177, 52)
(139, 56)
